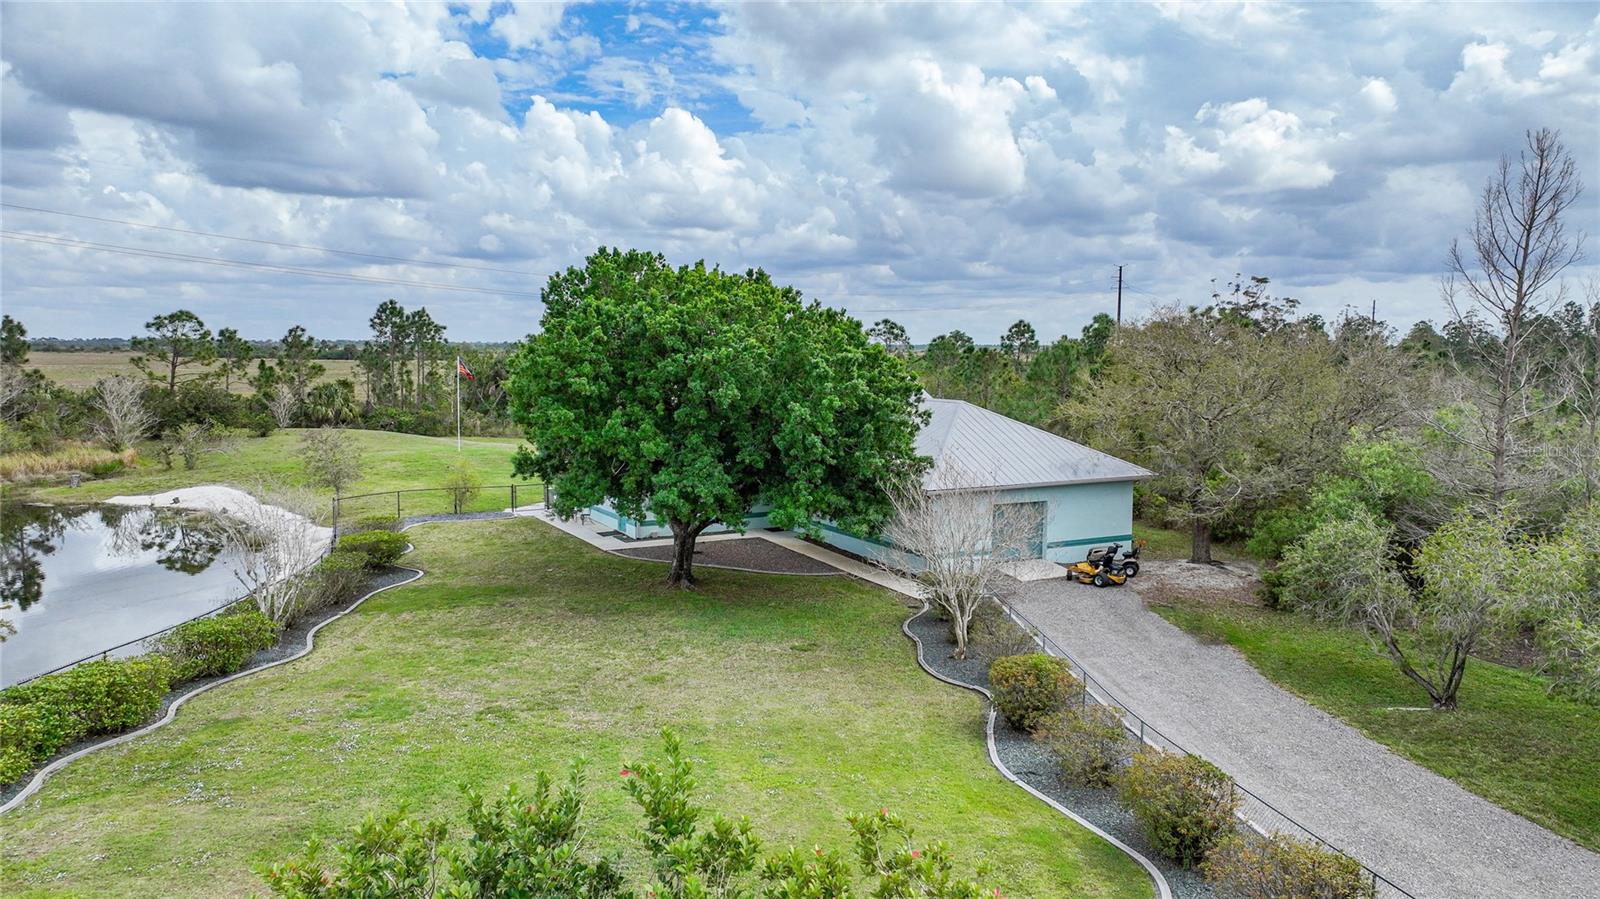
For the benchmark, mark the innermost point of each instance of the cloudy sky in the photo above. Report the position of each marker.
(950, 166)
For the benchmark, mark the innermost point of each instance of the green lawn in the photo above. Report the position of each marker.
(1166, 543)
(1509, 741)
(798, 698)
(390, 461)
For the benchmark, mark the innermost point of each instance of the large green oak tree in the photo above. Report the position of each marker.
(692, 395)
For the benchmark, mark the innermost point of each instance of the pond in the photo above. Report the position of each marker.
(76, 581)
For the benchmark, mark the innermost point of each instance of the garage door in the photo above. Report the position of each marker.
(1022, 525)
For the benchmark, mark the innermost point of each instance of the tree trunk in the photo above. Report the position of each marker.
(683, 538)
(1200, 544)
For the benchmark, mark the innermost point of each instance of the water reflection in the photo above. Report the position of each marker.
(77, 580)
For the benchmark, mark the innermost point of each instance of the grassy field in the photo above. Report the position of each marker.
(1165, 543)
(798, 699)
(1509, 742)
(80, 370)
(390, 461)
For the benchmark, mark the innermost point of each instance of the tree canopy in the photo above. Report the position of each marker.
(691, 395)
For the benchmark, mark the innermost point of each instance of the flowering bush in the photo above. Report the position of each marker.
(1183, 803)
(535, 844)
(1280, 867)
(1031, 687)
(221, 644)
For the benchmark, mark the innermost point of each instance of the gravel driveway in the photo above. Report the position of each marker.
(1423, 832)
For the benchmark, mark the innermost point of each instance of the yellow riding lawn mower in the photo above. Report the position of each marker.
(1102, 568)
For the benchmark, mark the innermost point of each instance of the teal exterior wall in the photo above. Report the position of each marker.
(1078, 517)
(650, 528)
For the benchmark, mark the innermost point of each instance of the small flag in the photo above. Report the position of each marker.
(463, 370)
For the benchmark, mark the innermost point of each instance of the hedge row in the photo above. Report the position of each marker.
(95, 698)
(39, 718)
(218, 645)
(382, 548)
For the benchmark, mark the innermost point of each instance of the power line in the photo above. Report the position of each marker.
(74, 243)
(271, 243)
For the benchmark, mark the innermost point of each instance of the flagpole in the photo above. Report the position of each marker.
(458, 404)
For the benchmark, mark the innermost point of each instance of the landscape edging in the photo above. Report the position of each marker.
(47, 771)
(1163, 889)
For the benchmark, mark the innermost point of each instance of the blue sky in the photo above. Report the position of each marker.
(948, 165)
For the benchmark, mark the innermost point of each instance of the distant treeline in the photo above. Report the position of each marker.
(326, 349)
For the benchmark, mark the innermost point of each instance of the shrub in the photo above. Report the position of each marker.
(41, 716)
(340, 574)
(1089, 743)
(1183, 803)
(218, 645)
(1281, 867)
(536, 843)
(1336, 570)
(101, 697)
(1572, 658)
(1031, 687)
(375, 523)
(381, 548)
(29, 734)
(993, 634)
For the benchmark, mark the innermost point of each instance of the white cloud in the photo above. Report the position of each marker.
(998, 157)
(1379, 96)
(527, 24)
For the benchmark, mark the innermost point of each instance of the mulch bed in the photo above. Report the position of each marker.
(1033, 764)
(748, 553)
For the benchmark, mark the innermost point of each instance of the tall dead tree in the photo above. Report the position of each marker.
(1507, 277)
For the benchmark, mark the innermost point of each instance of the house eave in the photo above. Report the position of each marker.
(1042, 484)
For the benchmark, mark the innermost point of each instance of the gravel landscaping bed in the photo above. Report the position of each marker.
(291, 642)
(447, 516)
(1031, 763)
(744, 553)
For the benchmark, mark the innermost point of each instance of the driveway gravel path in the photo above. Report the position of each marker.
(1425, 833)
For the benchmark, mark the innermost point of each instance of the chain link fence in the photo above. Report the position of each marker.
(424, 503)
(1253, 811)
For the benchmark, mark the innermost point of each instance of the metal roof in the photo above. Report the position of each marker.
(978, 449)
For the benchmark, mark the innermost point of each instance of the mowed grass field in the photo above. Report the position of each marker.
(799, 701)
(80, 370)
(390, 461)
(1510, 742)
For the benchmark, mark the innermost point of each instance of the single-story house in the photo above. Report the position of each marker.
(1081, 497)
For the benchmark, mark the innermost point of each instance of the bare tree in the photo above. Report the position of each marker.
(13, 384)
(954, 537)
(1506, 279)
(284, 406)
(274, 545)
(330, 457)
(123, 416)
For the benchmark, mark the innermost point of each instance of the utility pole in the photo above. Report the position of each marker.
(1119, 294)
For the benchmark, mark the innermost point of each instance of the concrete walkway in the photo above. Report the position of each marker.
(1425, 833)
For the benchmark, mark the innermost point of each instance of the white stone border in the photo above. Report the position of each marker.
(1163, 889)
